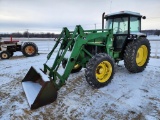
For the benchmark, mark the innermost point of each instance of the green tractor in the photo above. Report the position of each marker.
(95, 50)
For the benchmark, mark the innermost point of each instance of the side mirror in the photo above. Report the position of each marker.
(143, 17)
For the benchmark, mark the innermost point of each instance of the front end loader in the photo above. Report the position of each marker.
(95, 50)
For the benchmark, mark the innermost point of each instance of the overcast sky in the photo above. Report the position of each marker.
(53, 15)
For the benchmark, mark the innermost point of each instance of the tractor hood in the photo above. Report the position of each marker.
(138, 34)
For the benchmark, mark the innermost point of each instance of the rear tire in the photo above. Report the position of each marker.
(137, 55)
(5, 55)
(29, 49)
(76, 68)
(99, 70)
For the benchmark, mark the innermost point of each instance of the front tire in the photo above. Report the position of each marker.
(136, 56)
(99, 70)
(5, 55)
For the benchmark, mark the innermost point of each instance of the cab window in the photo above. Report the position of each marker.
(134, 24)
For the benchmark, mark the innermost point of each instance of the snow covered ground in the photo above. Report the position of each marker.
(128, 96)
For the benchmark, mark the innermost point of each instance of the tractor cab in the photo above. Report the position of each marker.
(126, 25)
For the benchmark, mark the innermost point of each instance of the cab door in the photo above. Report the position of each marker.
(120, 32)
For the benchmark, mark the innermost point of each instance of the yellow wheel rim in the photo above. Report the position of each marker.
(141, 56)
(103, 71)
(76, 66)
(29, 50)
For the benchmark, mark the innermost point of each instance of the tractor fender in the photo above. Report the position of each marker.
(137, 35)
(3, 47)
(20, 43)
(133, 36)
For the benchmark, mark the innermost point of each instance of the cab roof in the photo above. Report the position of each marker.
(124, 13)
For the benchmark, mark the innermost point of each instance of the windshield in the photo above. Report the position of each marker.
(120, 25)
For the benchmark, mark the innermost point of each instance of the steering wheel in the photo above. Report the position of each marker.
(117, 30)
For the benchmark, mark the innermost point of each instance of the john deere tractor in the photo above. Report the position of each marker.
(95, 50)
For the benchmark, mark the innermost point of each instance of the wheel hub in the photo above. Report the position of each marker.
(4, 55)
(29, 50)
(141, 56)
(103, 71)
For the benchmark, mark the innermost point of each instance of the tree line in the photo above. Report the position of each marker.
(151, 32)
(26, 34)
(30, 35)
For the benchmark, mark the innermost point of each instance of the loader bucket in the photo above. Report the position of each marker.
(38, 88)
